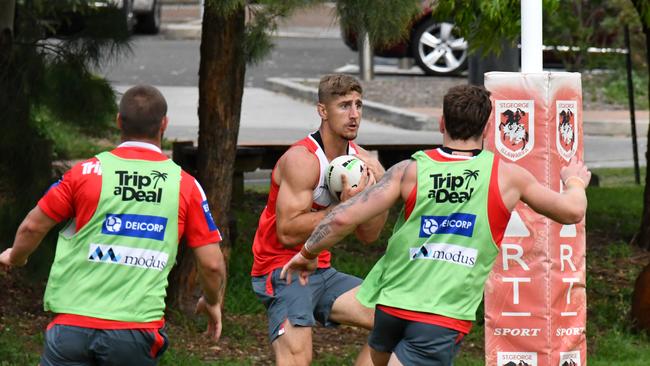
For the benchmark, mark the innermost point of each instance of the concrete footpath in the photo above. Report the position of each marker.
(285, 110)
(182, 20)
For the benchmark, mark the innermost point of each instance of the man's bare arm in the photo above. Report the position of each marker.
(298, 172)
(28, 237)
(212, 274)
(364, 206)
(568, 207)
(369, 231)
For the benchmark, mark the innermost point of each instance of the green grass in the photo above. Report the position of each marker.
(13, 349)
(612, 219)
(611, 88)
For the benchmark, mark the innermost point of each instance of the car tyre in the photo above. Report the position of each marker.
(149, 22)
(437, 49)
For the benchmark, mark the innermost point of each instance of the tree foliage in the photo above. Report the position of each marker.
(485, 24)
(46, 69)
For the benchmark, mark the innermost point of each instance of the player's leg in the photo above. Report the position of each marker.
(294, 346)
(427, 345)
(290, 314)
(346, 309)
(386, 334)
(67, 345)
(338, 305)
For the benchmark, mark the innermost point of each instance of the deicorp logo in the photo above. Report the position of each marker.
(127, 256)
(456, 223)
(142, 188)
(136, 226)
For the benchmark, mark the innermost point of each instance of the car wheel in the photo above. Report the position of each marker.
(437, 48)
(149, 22)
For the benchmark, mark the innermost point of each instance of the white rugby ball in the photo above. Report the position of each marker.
(349, 165)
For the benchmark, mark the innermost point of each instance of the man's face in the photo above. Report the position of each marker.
(343, 114)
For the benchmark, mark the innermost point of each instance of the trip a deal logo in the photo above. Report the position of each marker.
(453, 188)
(135, 226)
(133, 186)
(514, 135)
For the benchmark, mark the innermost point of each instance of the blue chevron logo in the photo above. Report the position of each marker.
(99, 255)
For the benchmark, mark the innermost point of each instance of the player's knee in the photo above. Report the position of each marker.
(294, 355)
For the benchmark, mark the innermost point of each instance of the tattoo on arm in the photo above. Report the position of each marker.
(324, 229)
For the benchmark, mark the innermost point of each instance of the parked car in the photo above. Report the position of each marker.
(438, 49)
(141, 15)
(435, 46)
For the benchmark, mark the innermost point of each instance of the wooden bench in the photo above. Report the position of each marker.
(251, 157)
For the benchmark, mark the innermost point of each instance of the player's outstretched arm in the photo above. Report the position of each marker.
(568, 207)
(369, 231)
(28, 237)
(344, 218)
(297, 173)
(212, 274)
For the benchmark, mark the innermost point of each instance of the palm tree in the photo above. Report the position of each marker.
(158, 176)
(470, 174)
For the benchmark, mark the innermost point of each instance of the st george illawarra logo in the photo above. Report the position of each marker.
(566, 128)
(514, 134)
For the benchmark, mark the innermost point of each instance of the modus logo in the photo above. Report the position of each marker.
(136, 226)
(133, 186)
(127, 256)
(570, 358)
(445, 253)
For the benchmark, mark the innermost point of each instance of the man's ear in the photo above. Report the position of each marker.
(441, 125)
(322, 112)
(118, 121)
(485, 130)
(164, 123)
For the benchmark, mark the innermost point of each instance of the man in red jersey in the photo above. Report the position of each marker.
(457, 203)
(298, 200)
(127, 211)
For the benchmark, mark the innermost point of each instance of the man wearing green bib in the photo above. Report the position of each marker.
(457, 203)
(127, 210)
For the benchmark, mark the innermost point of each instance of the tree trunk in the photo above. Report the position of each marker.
(221, 86)
(643, 239)
(641, 294)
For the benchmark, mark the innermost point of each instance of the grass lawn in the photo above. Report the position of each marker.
(612, 266)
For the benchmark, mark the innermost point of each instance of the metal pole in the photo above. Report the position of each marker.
(365, 58)
(531, 36)
(630, 97)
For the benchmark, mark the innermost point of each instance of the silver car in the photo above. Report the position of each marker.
(141, 15)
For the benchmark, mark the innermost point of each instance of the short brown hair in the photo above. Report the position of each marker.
(336, 85)
(466, 109)
(142, 109)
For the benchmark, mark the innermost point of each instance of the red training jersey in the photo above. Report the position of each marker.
(268, 252)
(76, 197)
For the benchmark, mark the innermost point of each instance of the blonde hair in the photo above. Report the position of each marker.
(336, 85)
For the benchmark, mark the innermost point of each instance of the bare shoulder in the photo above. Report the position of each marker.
(297, 165)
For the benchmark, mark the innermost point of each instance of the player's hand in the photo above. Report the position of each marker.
(367, 179)
(373, 165)
(5, 259)
(214, 317)
(575, 169)
(303, 266)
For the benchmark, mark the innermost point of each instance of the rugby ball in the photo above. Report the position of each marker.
(349, 165)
